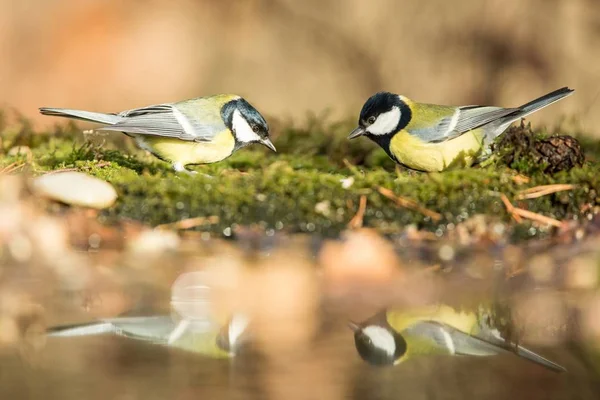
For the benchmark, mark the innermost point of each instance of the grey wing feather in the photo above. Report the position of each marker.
(493, 336)
(468, 118)
(165, 120)
(473, 117)
(438, 133)
(460, 343)
(452, 340)
(81, 115)
(155, 329)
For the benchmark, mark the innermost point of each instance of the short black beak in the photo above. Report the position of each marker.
(357, 132)
(354, 326)
(267, 142)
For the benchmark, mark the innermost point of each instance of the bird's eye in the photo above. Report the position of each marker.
(371, 120)
(255, 128)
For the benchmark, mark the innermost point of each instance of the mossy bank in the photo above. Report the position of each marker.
(313, 184)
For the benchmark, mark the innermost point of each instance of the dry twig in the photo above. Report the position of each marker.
(520, 179)
(539, 191)
(518, 213)
(357, 220)
(190, 223)
(11, 168)
(410, 204)
(510, 208)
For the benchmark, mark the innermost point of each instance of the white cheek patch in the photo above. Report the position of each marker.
(386, 122)
(237, 326)
(242, 130)
(381, 338)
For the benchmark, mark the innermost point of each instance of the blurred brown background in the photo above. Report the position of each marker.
(288, 56)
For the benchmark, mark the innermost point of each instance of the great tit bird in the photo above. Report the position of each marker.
(393, 336)
(196, 336)
(197, 131)
(433, 138)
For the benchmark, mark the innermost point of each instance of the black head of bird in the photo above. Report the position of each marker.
(382, 114)
(246, 123)
(378, 345)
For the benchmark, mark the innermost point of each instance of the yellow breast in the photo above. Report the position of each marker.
(435, 157)
(187, 152)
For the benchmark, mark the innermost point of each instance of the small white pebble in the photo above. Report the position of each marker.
(347, 182)
(94, 240)
(76, 188)
(323, 207)
(446, 252)
(154, 241)
(20, 247)
(499, 229)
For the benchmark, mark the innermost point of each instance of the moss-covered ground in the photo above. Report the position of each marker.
(313, 184)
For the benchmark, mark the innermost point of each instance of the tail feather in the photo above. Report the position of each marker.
(108, 119)
(94, 328)
(540, 103)
(536, 358)
(521, 112)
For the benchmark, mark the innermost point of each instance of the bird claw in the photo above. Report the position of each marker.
(178, 167)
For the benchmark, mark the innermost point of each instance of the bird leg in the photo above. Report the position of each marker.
(179, 167)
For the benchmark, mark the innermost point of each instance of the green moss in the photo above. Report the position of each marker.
(300, 187)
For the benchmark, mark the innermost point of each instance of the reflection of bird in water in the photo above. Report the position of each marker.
(394, 336)
(193, 335)
(193, 327)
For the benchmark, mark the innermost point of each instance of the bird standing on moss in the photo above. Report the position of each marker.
(197, 131)
(434, 138)
(394, 336)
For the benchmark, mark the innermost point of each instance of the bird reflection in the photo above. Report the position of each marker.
(393, 336)
(191, 326)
